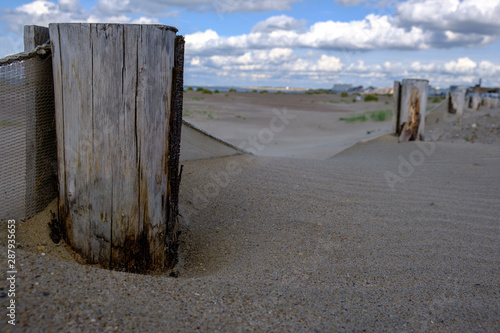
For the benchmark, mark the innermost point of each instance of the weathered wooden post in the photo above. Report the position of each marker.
(413, 106)
(456, 104)
(486, 102)
(34, 35)
(495, 102)
(475, 102)
(118, 97)
(396, 113)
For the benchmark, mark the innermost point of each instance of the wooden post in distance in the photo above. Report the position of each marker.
(413, 108)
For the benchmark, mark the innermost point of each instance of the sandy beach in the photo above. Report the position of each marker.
(305, 236)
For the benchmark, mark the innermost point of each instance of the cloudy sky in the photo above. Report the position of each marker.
(308, 43)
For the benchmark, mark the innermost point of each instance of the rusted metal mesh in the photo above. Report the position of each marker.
(28, 159)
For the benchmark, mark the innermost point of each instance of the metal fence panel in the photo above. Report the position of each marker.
(28, 160)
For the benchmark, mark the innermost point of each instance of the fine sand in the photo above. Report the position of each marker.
(381, 237)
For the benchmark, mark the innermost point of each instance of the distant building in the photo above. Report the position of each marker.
(357, 89)
(485, 90)
(384, 91)
(338, 88)
(369, 90)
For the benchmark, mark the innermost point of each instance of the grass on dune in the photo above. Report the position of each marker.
(354, 118)
(379, 115)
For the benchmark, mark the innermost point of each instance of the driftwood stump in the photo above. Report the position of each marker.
(118, 99)
(487, 102)
(413, 107)
(456, 103)
(495, 102)
(475, 102)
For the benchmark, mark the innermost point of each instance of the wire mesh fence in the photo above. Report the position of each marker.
(28, 160)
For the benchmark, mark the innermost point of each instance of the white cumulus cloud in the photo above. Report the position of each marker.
(461, 66)
(465, 16)
(43, 12)
(287, 67)
(328, 64)
(373, 32)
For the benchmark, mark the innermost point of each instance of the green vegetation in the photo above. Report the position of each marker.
(216, 91)
(381, 115)
(337, 102)
(354, 118)
(263, 91)
(278, 92)
(354, 100)
(471, 138)
(371, 98)
(254, 91)
(436, 99)
(232, 90)
(197, 98)
(189, 89)
(344, 94)
(202, 90)
(191, 113)
(240, 117)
